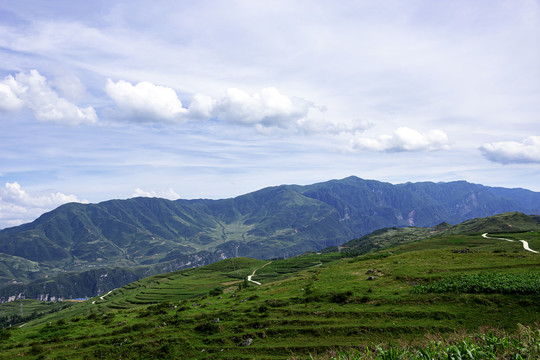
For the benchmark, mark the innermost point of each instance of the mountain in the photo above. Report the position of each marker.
(281, 221)
(449, 294)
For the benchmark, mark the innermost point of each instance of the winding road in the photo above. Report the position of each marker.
(102, 297)
(253, 274)
(525, 243)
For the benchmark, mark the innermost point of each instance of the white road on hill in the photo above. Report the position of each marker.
(253, 274)
(525, 243)
(103, 296)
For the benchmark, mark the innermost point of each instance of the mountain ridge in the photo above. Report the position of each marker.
(278, 221)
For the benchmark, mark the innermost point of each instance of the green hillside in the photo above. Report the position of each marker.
(69, 243)
(313, 305)
(507, 223)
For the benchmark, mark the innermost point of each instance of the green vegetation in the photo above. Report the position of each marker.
(321, 306)
(511, 225)
(485, 345)
(489, 283)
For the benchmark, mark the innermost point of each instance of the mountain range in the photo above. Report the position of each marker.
(88, 249)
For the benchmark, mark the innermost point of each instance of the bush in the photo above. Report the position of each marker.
(341, 298)
(36, 349)
(216, 291)
(207, 328)
(4, 334)
(243, 285)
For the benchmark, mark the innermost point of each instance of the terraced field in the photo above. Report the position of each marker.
(312, 304)
(419, 284)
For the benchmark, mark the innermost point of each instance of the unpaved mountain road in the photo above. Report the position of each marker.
(525, 243)
(253, 274)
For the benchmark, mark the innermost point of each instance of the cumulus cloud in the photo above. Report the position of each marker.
(31, 90)
(506, 152)
(403, 139)
(169, 194)
(268, 108)
(317, 121)
(146, 102)
(8, 100)
(201, 106)
(268, 111)
(17, 206)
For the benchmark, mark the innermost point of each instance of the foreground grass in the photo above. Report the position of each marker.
(485, 344)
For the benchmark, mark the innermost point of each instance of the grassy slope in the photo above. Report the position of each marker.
(508, 223)
(306, 305)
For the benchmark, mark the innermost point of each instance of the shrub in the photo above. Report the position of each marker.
(36, 349)
(4, 334)
(216, 291)
(207, 328)
(342, 297)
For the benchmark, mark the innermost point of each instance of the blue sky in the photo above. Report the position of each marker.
(213, 99)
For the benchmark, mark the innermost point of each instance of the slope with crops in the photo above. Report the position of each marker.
(311, 304)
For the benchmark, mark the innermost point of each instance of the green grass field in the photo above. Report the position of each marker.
(319, 305)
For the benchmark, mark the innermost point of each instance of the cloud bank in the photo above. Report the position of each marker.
(265, 111)
(31, 90)
(148, 102)
(403, 139)
(508, 152)
(17, 206)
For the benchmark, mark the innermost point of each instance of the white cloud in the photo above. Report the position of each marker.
(267, 111)
(201, 106)
(168, 194)
(32, 91)
(146, 102)
(403, 139)
(269, 108)
(8, 100)
(506, 152)
(18, 206)
(318, 121)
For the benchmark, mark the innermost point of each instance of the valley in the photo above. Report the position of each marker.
(383, 293)
(81, 250)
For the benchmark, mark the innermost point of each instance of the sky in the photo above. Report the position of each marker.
(186, 99)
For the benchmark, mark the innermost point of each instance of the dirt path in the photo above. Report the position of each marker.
(525, 243)
(253, 274)
(102, 296)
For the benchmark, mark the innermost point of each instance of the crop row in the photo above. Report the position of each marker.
(524, 345)
(485, 283)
